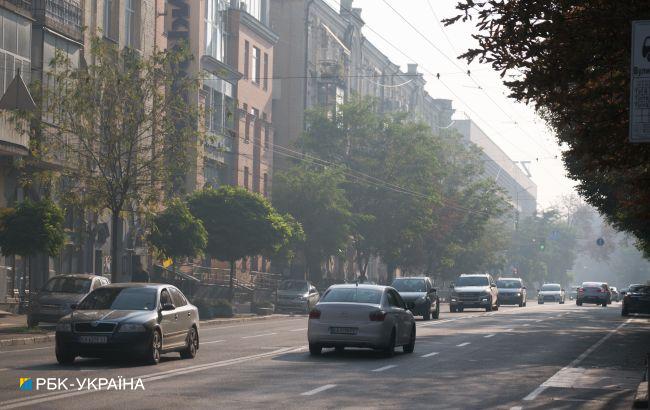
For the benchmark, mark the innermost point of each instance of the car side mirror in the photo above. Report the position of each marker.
(168, 306)
(433, 290)
(73, 306)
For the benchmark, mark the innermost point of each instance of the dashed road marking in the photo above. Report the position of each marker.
(25, 350)
(262, 335)
(463, 344)
(318, 390)
(298, 330)
(489, 336)
(212, 341)
(381, 369)
(430, 354)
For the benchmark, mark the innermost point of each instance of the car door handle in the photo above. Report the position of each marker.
(176, 316)
(189, 314)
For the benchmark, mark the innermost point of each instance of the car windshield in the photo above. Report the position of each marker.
(68, 285)
(551, 287)
(353, 295)
(640, 289)
(472, 281)
(120, 299)
(508, 284)
(410, 285)
(297, 285)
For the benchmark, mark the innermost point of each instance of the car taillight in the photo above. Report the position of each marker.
(581, 290)
(314, 314)
(378, 316)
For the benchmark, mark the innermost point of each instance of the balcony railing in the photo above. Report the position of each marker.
(25, 4)
(64, 15)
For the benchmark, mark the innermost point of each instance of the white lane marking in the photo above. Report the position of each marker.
(4, 369)
(298, 330)
(533, 395)
(516, 408)
(41, 398)
(262, 335)
(212, 341)
(430, 354)
(489, 336)
(540, 320)
(526, 325)
(381, 369)
(25, 350)
(463, 344)
(318, 390)
(509, 330)
(210, 328)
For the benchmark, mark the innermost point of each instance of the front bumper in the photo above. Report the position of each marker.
(592, 299)
(372, 335)
(510, 299)
(549, 298)
(469, 304)
(131, 344)
(637, 307)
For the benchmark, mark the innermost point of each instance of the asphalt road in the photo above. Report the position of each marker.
(540, 356)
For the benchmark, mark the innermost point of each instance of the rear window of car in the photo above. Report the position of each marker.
(640, 289)
(472, 281)
(551, 287)
(353, 295)
(508, 284)
(68, 285)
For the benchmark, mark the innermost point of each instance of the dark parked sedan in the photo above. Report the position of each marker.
(636, 300)
(135, 319)
(419, 295)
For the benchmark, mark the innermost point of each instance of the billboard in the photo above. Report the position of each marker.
(640, 82)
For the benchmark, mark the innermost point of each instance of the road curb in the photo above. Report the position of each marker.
(49, 337)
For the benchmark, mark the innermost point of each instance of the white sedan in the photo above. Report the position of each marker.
(367, 316)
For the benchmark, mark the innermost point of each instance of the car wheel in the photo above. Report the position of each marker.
(153, 353)
(624, 312)
(453, 309)
(64, 356)
(521, 303)
(31, 322)
(389, 351)
(461, 309)
(315, 349)
(562, 302)
(578, 303)
(192, 342)
(409, 348)
(436, 314)
(489, 307)
(427, 315)
(604, 304)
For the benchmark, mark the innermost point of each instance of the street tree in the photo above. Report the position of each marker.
(239, 223)
(571, 61)
(119, 127)
(32, 228)
(176, 233)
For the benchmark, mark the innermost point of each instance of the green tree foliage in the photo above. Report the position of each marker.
(283, 258)
(571, 59)
(31, 228)
(239, 223)
(544, 248)
(117, 132)
(176, 233)
(314, 197)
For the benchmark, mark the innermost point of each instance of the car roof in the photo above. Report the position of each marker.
(593, 283)
(475, 274)
(359, 286)
(552, 283)
(137, 285)
(517, 279)
(76, 276)
(411, 277)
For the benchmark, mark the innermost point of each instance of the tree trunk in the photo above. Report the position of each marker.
(231, 296)
(390, 272)
(115, 220)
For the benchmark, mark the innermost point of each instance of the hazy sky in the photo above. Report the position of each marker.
(513, 126)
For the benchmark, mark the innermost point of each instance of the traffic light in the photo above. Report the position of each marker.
(542, 244)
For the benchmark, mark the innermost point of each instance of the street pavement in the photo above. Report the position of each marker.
(540, 356)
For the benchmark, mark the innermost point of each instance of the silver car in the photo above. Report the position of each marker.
(367, 316)
(58, 295)
(296, 296)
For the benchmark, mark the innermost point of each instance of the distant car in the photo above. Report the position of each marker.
(551, 292)
(474, 291)
(296, 296)
(139, 320)
(511, 291)
(58, 294)
(616, 297)
(420, 296)
(573, 292)
(361, 315)
(594, 292)
(637, 300)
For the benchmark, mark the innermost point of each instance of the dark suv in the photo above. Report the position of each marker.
(594, 292)
(511, 291)
(419, 295)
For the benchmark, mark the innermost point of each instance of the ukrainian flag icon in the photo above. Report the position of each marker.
(25, 383)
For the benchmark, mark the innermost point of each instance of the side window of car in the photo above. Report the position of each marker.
(177, 296)
(164, 297)
(399, 300)
(391, 299)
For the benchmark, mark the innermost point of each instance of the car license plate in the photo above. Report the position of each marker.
(93, 339)
(343, 330)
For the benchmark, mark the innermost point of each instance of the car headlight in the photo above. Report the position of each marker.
(518, 294)
(132, 327)
(64, 327)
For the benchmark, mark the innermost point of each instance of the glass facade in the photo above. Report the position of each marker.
(15, 48)
(214, 28)
(219, 104)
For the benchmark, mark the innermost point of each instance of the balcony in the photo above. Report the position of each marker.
(64, 16)
(12, 142)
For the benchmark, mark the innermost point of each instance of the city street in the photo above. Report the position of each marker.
(540, 356)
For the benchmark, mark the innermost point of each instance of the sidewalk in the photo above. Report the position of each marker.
(14, 330)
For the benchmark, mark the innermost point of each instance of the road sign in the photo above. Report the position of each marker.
(600, 242)
(640, 82)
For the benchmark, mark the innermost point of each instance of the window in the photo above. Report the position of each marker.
(246, 172)
(214, 29)
(110, 19)
(132, 23)
(266, 72)
(177, 297)
(246, 57)
(266, 185)
(15, 48)
(254, 8)
(266, 130)
(247, 125)
(256, 65)
(219, 104)
(165, 298)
